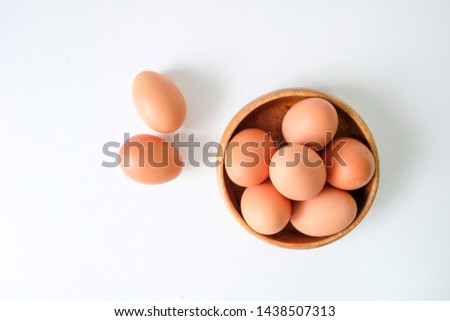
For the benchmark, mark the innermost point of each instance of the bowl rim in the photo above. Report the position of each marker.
(306, 93)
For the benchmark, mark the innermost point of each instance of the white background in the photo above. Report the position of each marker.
(72, 229)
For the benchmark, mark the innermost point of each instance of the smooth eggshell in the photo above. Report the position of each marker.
(158, 102)
(328, 213)
(312, 122)
(149, 159)
(264, 209)
(350, 164)
(248, 155)
(297, 172)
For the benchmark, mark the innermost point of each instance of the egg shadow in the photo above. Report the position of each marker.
(195, 149)
(202, 94)
(391, 130)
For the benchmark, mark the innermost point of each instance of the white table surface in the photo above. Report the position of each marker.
(72, 229)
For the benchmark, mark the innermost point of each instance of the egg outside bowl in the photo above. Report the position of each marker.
(266, 113)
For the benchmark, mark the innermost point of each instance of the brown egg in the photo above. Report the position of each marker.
(328, 213)
(158, 101)
(297, 172)
(312, 122)
(350, 164)
(149, 159)
(248, 155)
(264, 209)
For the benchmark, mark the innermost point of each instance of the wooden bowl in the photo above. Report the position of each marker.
(267, 113)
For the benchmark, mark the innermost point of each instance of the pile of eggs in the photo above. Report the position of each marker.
(304, 180)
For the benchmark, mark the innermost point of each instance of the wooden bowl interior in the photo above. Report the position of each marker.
(267, 114)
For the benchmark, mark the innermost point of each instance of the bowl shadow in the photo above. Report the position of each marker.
(391, 130)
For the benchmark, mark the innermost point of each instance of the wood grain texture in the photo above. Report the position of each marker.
(267, 113)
